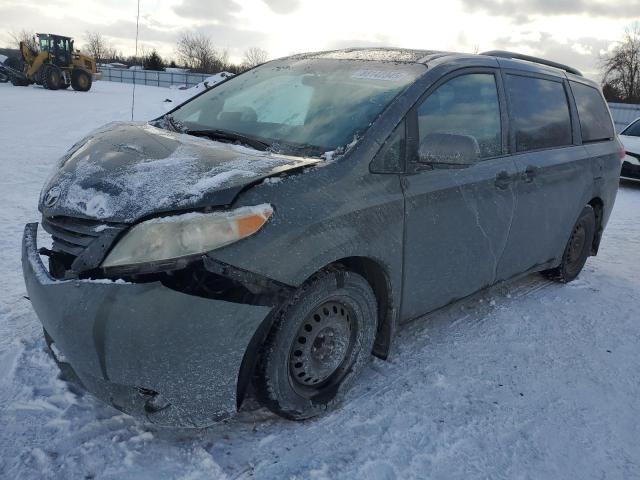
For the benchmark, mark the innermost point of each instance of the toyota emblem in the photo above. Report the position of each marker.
(52, 196)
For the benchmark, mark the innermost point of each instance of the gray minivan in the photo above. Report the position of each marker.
(270, 234)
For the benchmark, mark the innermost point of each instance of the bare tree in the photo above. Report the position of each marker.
(621, 67)
(196, 51)
(23, 36)
(254, 56)
(97, 46)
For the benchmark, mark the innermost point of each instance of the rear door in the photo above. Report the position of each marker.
(456, 218)
(553, 171)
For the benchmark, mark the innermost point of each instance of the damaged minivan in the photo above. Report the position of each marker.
(269, 235)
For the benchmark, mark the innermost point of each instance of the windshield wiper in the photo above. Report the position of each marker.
(175, 125)
(231, 136)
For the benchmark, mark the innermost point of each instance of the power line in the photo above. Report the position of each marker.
(133, 93)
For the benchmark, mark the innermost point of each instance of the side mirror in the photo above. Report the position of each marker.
(449, 149)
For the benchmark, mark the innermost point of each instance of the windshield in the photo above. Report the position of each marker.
(317, 104)
(632, 130)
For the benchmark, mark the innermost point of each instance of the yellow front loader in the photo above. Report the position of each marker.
(55, 65)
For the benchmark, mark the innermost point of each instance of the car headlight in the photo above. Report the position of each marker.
(176, 236)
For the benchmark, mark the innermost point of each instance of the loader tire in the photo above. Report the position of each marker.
(52, 78)
(81, 81)
(16, 82)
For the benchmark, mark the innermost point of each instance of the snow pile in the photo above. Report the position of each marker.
(180, 95)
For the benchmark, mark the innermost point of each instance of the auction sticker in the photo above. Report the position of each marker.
(384, 75)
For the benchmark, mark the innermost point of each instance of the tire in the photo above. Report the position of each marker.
(577, 250)
(39, 76)
(16, 82)
(3, 78)
(319, 344)
(81, 81)
(52, 77)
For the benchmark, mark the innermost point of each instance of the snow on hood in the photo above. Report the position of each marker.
(126, 171)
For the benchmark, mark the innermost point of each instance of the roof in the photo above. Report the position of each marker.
(52, 35)
(406, 55)
(377, 54)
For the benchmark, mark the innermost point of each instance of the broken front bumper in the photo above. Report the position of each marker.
(144, 348)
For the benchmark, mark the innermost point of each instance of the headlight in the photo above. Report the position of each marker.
(168, 238)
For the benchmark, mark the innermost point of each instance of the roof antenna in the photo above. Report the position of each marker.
(133, 94)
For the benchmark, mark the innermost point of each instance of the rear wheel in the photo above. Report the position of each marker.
(577, 250)
(81, 81)
(318, 346)
(51, 77)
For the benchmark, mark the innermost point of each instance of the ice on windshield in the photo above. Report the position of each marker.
(313, 103)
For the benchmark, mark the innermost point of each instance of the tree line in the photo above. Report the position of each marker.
(621, 68)
(193, 51)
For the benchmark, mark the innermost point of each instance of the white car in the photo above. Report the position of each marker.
(630, 138)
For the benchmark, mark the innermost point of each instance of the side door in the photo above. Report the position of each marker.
(553, 171)
(457, 214)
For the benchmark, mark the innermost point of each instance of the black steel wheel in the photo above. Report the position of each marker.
(319, 343)
(323, 342)
(577, 250)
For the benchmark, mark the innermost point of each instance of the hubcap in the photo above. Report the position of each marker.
(322, 344)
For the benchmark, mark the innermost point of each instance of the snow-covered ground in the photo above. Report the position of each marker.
(529, 379)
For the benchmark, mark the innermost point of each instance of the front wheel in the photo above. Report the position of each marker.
(52, 77)
(577, 250)
(318, 345)
(81, 80)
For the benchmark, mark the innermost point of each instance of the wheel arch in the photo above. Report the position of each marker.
(597, 205)
(379, 280)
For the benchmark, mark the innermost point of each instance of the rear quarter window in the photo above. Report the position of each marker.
(539, 113)
(595, 121)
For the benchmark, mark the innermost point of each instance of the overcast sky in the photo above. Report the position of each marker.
(569, 31)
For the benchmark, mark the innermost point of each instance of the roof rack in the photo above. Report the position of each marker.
(529, 58)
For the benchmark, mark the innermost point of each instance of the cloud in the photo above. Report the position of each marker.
(520, 10)
(208, 10)
(581, 53)
(282, 6)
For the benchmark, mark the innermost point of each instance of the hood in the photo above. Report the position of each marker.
(631, 144)
(127, 171)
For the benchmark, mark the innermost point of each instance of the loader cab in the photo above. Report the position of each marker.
(60, 48)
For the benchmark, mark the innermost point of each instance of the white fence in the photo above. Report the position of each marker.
(152, 77)
(623, 114)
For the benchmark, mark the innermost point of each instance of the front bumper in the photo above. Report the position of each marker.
(124, 342)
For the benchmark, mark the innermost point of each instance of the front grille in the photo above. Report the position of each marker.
(72, 235)
(80, 242)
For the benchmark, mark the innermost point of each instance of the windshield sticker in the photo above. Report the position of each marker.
(384, 75)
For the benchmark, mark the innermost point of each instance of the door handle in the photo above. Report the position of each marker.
(530, 173)
(503, 180)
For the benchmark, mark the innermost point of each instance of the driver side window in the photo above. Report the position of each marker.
(459, 123)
